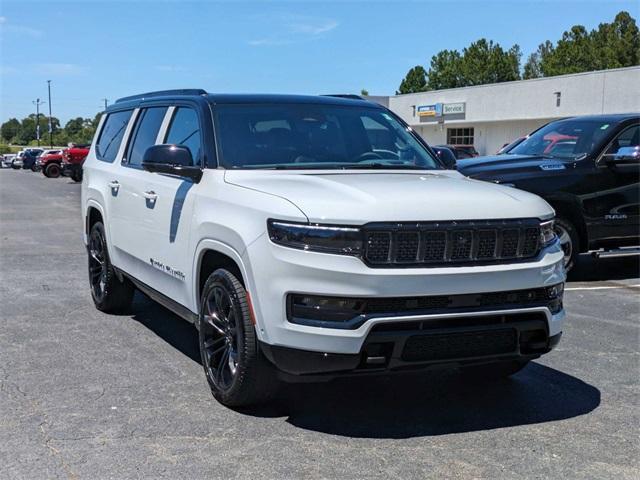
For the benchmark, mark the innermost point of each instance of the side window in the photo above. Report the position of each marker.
(145, 134)
(627, 138)
(185, 130)
(111, 135)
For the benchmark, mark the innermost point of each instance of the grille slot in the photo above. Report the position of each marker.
(460, 345)
(465, 242)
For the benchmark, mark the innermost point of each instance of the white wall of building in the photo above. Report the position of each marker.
(501, 112)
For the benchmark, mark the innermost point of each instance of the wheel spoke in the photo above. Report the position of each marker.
(221, 365)
(96, 257)
(215, 323)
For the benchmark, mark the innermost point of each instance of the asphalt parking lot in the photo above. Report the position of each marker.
(88, 395)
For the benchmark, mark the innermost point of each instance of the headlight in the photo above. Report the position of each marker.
(547, 233)
(317, 238)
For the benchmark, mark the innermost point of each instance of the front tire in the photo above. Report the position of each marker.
(52, 170)
(236, 370)
(109, 294)
(76, 176)
(569, 241)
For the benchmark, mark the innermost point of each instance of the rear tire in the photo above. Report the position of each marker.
(236, 370)
(493, 371)
(34, 168)
(76, 176)
(52, 170)
(569, 241)
(109, 294)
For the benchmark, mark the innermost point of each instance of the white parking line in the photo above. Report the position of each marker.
(609, 287)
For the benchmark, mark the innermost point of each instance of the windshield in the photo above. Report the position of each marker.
(307, 136)
(564, 139)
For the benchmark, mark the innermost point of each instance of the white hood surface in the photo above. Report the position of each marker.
(356, 197)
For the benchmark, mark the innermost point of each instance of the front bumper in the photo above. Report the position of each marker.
(383, 354)
(275, 271)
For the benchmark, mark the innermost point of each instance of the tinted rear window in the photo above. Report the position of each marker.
(111, 136)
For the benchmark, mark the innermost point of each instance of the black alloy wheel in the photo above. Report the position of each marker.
(220, 332)
(236, 370)
(109, 294)
(97, 265)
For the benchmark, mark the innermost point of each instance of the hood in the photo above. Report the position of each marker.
(348, 197)
(498, 166)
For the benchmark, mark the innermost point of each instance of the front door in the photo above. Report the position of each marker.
(615, 205)
(169, 211)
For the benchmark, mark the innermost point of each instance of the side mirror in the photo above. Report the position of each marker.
(627, 155)
(171, 160)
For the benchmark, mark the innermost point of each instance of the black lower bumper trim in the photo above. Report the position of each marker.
(304, 362)
(378, 357)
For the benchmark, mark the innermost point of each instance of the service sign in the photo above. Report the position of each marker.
(453, 108)
(429, 110)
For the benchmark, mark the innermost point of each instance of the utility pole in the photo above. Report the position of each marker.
(50, 124)
(37, 103)
(105, 100)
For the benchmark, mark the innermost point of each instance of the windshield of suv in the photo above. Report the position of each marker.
(316, 136)
(564, 139)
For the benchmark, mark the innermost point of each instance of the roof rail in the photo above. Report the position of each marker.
(344, 95)
(164, 93)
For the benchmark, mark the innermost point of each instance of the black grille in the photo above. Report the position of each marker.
(460, 345)
(446, 243)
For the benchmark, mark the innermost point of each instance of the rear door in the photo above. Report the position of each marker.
(170, 209)
(131, 209)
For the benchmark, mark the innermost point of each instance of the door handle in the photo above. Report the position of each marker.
(114, 185)
(150, 195)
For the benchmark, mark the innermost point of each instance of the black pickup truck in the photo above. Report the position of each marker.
(587, 168)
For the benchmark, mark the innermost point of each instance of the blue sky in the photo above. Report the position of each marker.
(96, 49)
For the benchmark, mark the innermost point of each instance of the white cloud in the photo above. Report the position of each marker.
(6, 26)
(293, 29)
(314, 28)
(170, 68)
(8, 70)
(59, 69)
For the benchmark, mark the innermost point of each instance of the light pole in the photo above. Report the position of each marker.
(105, 100)
(50, 124)
(37, 103)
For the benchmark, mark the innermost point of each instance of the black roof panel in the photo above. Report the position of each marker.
(247, 98)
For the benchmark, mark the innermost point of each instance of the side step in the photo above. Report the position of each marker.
(618, 252)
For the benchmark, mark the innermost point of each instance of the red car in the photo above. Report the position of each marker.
(72, 160)
(50, 162)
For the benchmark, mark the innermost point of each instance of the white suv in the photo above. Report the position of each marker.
(310, 237)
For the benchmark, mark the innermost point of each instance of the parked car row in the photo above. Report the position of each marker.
(52, 162)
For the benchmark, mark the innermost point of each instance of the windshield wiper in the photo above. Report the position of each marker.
(381, 166)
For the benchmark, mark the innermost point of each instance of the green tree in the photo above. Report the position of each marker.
(533, 65)
(364, 92)
(617, 44)
(445, 70)
(10, 130)
(415, 81)
(74, 126)
(612, 45)
(485, 62)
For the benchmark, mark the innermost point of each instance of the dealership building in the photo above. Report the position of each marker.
(489, 116)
